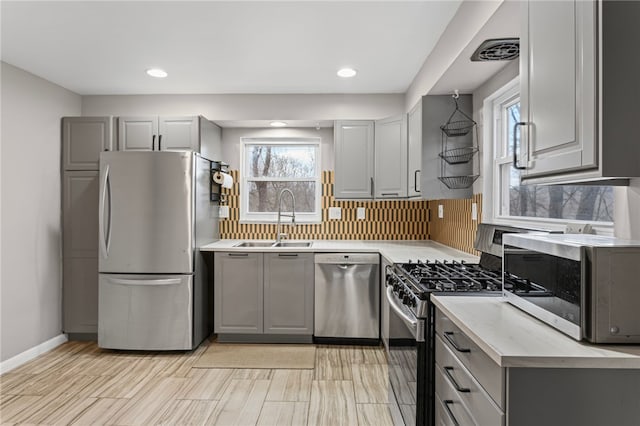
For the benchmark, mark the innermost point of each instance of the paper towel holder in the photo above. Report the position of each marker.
(215, 190)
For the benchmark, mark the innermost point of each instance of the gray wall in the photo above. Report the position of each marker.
(231, 142)
(31, 230)
(249, 107)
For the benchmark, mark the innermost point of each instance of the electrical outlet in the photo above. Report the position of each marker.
(360, 213)
(440, 211)
(474, 211)
(335, 213)
(223, 212)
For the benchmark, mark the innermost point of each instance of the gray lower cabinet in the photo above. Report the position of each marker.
(238, 294)
(263, 293)
(288, 293)
(471, 389)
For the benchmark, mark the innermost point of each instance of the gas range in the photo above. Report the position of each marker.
(413, 282)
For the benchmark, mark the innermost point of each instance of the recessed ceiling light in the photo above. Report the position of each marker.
(157, 72)
(278, 124)
(347, 72)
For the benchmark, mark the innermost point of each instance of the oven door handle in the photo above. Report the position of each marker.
(412, 322)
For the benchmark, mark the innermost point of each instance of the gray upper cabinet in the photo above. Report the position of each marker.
(238, 293)
(164, 133)
(576, 85)
(179, 133)
(137, 133)
(391, 157)
(83, 138)
(288, 293)
(414, 149)
(354, 150)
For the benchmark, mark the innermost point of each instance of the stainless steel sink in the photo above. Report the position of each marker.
(255, 244)
(293, 244)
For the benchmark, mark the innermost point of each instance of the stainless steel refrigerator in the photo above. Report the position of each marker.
(154, 214)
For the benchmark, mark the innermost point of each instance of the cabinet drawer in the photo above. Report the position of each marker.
(482, 408)
(451, 412)
(489, 374)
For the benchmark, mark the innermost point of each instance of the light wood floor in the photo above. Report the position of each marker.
(81, 384)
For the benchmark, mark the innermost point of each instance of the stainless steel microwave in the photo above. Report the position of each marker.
(587, 286)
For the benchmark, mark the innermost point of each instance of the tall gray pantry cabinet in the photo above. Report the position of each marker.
(83, 138)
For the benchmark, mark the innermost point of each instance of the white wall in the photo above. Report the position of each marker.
(231, 142)
(31, 269)
(626, 211)
(249, 107)
(468, 20)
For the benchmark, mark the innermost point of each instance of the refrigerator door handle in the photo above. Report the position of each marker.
(162, 281)
(104, 187)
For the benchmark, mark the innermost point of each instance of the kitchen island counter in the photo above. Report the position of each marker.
(395, 251)
(512, 338)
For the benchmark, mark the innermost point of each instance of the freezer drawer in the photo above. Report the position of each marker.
(145, 312)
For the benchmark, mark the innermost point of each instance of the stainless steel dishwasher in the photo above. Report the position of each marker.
(347, 296)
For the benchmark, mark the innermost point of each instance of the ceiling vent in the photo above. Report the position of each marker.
(497, 49)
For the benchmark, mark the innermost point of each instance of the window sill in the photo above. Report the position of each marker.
(552, 224)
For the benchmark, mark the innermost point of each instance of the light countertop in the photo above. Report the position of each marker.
(512, 338)
(395, 251)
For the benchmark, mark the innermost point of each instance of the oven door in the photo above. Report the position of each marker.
(406, 352)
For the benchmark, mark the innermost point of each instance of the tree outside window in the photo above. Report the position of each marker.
(272, 165)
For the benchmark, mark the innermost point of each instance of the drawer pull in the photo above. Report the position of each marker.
(447, 335)
(450, 413)
(447, 371)
(239, 254)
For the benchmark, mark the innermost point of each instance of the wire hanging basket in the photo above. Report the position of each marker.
(459, 126)
(458, 182)
(458, 155)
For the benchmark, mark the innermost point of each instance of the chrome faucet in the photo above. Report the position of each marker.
(279, 234)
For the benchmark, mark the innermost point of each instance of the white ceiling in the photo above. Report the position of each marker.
(104, 47)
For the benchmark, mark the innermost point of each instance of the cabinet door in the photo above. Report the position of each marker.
(353, 159)
(80, 251)
(138, 133)
(288, 293)
(80, 294)
(238, 292)
(414, 156)
(83, 138)
(179, 134)
(557, 74)
(80, 213)
(391, 157)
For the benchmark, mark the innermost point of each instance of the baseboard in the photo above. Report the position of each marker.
(29, 354)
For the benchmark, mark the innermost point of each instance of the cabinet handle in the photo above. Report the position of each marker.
(415, 180)
(450, 413)
(515, 153)
(447, 371)
(287, 254)
(447, 335)
(159, 142)
(153, 143)
(385, 194)
(372, 192)
(238, 254)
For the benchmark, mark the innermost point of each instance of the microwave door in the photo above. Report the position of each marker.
(146, 212)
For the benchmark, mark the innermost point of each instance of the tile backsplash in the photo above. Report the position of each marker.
(456, 229)
(384, 220)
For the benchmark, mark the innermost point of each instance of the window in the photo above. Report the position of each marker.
(270, 165)
(546, 203)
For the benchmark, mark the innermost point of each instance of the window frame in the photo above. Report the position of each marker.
(310, 217)
(496, 155)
